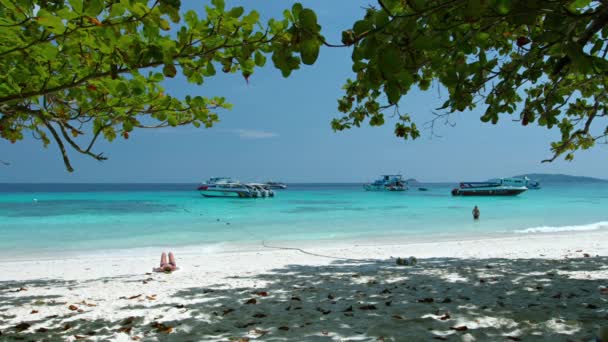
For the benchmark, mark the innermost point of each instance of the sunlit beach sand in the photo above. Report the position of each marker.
(539, 287)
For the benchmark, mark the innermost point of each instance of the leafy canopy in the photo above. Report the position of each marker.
(76, 69)
(542, 61)
(96, 66)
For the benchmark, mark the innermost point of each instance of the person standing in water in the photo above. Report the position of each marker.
(476, 213)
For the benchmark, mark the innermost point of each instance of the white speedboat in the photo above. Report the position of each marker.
(387, 183)
(499, 187)
(225, 187)
(263, 190)
(276, 185)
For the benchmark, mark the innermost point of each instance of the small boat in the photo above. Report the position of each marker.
(533, 185)
(225, 187)
(500, 187)
(276, 185)
(262, 190)
(387, 183)
(423, 189)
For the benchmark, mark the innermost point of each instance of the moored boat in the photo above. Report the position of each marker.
(500, 187)
(387, 183)
(262, 190)
(224, 187)
(275, 185)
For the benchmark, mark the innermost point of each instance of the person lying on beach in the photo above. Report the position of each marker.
(165, 266)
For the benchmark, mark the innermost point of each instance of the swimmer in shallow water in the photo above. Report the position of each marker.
(476, 213)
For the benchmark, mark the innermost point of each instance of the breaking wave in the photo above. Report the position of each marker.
(549, 229)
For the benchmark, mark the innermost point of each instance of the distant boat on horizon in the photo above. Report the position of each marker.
(276, 185)
(387, 183)
(227, 187)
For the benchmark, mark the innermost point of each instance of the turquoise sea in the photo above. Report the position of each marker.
(52, 219)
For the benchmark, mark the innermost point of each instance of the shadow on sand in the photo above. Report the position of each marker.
(439, 299)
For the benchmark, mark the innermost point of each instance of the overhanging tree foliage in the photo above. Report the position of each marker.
(68, 67)
(543, 61)
(71, 66)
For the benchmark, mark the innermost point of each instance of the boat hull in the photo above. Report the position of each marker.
(369, 187)
(233, 194)
(276, 186)
(487, 192)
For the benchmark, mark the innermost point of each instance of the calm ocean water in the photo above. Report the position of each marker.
(47, 219)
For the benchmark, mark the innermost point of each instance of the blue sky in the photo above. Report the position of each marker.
(280, 129)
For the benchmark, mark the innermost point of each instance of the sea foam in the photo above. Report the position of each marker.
(549, 229)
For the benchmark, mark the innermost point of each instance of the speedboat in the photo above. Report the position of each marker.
(225, 187)
(387, 183)
(500, 187)
(276, 185)
(262, 190)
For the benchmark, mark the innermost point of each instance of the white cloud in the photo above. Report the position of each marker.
(253, 134)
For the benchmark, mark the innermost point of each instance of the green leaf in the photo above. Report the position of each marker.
(8, 4)
(117, 9)
(76, 5)
(172, 121)
(259, 59)
(308, 20)
(93, 7)
(389, 61)
(252, 18)
(236, 12)
(219, 4)
(164, 25)
(55, 24)
(210, 69)
(392, 92)
(381, 18)
(362, 26)
(309, 51)
(577, 6)
(503, 7)
(49, 51)
(296, 9)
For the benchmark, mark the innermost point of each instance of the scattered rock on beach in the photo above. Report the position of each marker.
(22, 326)
(426, 300)
(368, 307)
(126, 330)
(160, 327)
(460, 328)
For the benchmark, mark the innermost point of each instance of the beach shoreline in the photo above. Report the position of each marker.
(258, 243)
(40, 292)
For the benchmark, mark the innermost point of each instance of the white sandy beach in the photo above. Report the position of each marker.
(530, 287)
